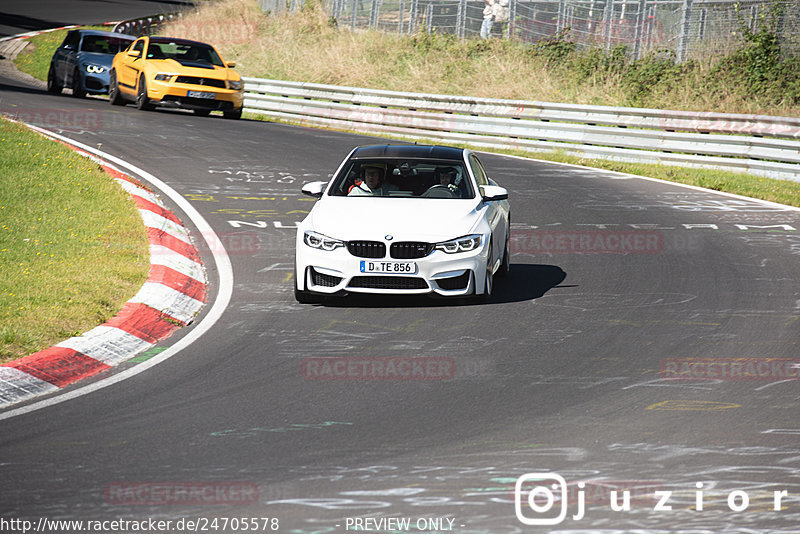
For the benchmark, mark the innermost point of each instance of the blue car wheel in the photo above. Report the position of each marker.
(52, 81)
(78, 91)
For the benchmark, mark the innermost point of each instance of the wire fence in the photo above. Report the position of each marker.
(687, 28)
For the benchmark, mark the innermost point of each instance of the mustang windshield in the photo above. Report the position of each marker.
(403, 179)
(186, 53)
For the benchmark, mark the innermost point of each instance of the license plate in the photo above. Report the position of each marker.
(395, 267)
(201, 94)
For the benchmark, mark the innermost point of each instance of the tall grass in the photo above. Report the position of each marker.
(310, 46)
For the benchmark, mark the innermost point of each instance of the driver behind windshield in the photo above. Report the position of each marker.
(373, 183)
(446, 176)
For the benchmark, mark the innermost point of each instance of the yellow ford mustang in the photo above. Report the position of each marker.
(170, 72)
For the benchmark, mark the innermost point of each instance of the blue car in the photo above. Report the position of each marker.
(83, 61)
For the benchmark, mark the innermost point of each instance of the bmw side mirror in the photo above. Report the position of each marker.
(493, 192)
(135, 53)
(314, 189)
(231, 64)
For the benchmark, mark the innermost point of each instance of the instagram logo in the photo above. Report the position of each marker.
(539, 492)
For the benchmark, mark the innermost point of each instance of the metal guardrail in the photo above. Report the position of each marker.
(757, 144)
(145, 25)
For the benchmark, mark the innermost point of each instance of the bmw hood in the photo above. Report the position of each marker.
(370, 218)
(93, 58)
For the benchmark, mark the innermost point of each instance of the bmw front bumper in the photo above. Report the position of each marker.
(336, 271)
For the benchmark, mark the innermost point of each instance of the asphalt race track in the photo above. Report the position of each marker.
(19, 16)
(565, 370)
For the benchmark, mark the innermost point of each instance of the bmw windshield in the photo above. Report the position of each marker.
(406, 178)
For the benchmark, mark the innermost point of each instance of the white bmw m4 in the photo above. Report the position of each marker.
(404, 220)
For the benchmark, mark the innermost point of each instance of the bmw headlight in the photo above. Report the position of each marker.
(460, 244)
(323, 242)
(161, 77)
(235, 85)
(94, 69)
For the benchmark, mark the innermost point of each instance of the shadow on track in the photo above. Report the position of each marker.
(524, 282)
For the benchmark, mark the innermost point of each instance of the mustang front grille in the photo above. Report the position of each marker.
(367, 249)
(388, 282)
(196, 80)
(409, 250)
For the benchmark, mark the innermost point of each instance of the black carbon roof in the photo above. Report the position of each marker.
(408, 151)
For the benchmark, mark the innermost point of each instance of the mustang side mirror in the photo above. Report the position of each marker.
(231, 64)
(314, 189)
(135, 53)
(493, 192)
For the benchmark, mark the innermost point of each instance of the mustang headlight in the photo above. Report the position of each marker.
(94, 69)
(235, 85)
(323, 242)
(161, 77)
(460, 244)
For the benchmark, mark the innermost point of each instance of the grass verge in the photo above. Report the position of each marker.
(73, 248)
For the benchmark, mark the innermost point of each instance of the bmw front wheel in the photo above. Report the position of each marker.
(52, 81)
(77, 85)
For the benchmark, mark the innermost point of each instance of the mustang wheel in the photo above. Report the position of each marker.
(236, 114)
(114, 95)
(142, 102)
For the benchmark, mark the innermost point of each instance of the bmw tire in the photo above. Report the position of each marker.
(52, 81)
(77, 85)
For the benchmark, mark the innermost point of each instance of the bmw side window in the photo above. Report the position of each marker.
(477, 168)
(72, 40)
(139, 45)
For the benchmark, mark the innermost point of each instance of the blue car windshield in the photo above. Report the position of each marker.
(101, 44)
(407, 178)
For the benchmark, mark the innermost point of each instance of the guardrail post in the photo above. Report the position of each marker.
(401, 17)
(686, 15)
(412, 17)
(353, 15)
(561, 18)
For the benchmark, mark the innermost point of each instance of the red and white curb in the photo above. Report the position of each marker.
(170, 298)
